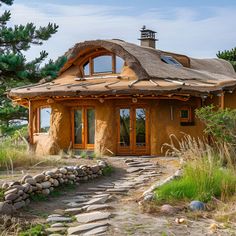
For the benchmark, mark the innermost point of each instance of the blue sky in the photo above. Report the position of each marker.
(196, 28)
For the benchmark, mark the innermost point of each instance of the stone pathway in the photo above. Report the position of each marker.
(94, 211)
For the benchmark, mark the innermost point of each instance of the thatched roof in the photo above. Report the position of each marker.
(154, 76)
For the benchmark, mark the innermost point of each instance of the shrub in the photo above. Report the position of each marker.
(108, 170)
(220, 123)
(37, 230)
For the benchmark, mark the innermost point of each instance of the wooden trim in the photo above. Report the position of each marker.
(85, 144)
(30, 125)
(133, 149)
(222, 100)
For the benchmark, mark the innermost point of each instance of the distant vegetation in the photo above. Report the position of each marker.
(228, 55)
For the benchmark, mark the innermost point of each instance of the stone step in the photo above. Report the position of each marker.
(92, 216)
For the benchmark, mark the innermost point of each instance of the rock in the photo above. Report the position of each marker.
(197, 206)
(50, 173)
(6, 209)
(133, 169)
(168, 209)
(26, 187)
(74, 210)
(19, 199)
(5, 185)
(180, 220)
(25, 177)
(27, 201)
(56, 230)
(96, 207)
(39, 178)
(57, 225)
(58, 219)
(97, 231)
(85, 227)
(46, 184)
(92, 216)
(55, 183)
(19, 205)
(11, 197)
(30, 181)
(39, 186)
(149, 196)
(95, 169)
(14, 190)
(63, 170)
(99, 200)
(46, 191)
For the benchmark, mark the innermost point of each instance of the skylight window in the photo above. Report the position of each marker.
(171, 61)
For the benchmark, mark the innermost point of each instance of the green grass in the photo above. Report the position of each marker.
(37, 230)
(202, 180)
(57, 192)
(108, 170)
(1, 194)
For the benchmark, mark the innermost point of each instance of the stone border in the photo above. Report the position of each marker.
(17, 194)
(148, 195)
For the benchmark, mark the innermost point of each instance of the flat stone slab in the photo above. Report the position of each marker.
(75, 205)
(98, 200)
(85, 227)
(97, 207)
(117, 190)
(59, 219)
(92, 216)
(97, 189)
(57, 225)
(101, 195)
(74, 210)
(134, 169)
(56, 230)
(78, 200)
(96, 231)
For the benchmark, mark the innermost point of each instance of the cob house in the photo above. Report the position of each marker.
(118, 98)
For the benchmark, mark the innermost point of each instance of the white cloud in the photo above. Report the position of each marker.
(180, 29)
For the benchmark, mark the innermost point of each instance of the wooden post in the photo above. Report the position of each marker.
(30, 125)
(222, 100)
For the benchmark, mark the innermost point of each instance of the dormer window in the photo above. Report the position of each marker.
(171, 61)
(104, 64)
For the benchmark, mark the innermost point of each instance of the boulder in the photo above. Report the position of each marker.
(63, 170)
(39, 178)
(25, 177)
(197, 206)
(168, 209)
(26, 187)
(14, 190)
(95, 169)
(30, 181)
(6, 208)
(45, 191)
(46, 184)
(11, 197)
(19, 205)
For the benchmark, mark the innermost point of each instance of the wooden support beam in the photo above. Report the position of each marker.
(30, 125)
(222, 100)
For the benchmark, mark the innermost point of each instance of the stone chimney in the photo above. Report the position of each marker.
(148, 37)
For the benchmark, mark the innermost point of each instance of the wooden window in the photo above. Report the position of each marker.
(103, 64)
(186, 115)
(43, 118)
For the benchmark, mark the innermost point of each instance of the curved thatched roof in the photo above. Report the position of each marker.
(153, 75)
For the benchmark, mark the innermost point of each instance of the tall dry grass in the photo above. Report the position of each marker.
(208, 170)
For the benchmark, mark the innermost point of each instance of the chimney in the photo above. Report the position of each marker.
(148, 38)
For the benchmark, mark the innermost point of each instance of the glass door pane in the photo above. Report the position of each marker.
(90, 126)
(140, 127)
(125, 127)
(78, 126)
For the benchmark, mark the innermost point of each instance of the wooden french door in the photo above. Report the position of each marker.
(133, 130)
(83, 128)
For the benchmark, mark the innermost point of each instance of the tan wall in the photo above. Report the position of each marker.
(161, 124)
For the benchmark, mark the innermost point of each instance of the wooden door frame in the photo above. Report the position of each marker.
(84, 144)
(133, 149)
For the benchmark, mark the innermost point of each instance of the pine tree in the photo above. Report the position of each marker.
(229, 55)
(15, 70)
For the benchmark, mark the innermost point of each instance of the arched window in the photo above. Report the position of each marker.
(104, 64)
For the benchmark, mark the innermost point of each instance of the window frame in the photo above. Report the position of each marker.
(39, 119)
(188, 119)
(90, 61)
